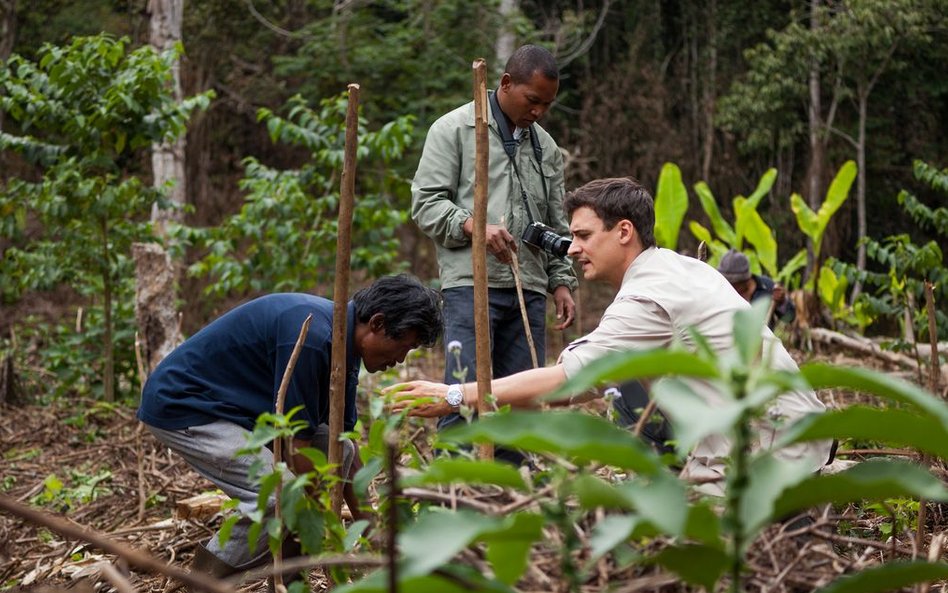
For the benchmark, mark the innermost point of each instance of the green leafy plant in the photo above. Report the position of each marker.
(284, 237)
(703, 543)
(82, 114)
(671, 204)
(898, 290)
(748, 226)
(813, 224)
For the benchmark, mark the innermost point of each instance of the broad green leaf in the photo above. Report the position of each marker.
(761, 237)
(508, 548)
(636, 364)
(696, 564)
(609, 533)
(768, 476)
(594, 492)
(437, 537)
(823, 376)
(837, 193)
(465, 471)
(360, 483)
(892, 425)
(763, 187)
(353, 533)
(795, 263)
(579, 436)
(456, 579)
(877, 479)
(710, 206)
(660, 499)
(671, 203)
(311, 529)
(691, 416)
(806, 218)
(704, 525)
(891, 576)
(700, 232)
(748, 326)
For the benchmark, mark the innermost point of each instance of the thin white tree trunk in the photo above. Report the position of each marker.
(814, 171)
(504, 46)
(155, 312)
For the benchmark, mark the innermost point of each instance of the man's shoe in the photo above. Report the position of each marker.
(209, 564)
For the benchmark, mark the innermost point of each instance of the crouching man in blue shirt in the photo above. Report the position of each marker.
(204, 398)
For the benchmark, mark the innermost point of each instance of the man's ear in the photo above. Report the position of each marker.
(627, 231)
(377, 323)
(505, 82)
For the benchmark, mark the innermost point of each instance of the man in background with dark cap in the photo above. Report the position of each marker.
(735, 267)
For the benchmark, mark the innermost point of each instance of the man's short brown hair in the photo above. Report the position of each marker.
(614, 199)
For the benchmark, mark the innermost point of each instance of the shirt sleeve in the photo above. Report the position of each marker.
(434, 206)
(558, 271)
(628, 324)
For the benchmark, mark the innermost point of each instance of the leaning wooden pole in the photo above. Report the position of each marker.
(479, 245)
(337, 379)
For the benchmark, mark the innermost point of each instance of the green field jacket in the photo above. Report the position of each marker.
(442, 198)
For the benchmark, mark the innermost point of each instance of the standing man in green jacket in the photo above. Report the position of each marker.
(525, 188)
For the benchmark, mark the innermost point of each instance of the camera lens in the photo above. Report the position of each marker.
(555, 244)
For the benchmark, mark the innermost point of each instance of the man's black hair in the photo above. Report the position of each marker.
(615, 199)
(528, 59)
(406, 304)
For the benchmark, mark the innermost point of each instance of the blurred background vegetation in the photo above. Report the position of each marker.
(726, 90)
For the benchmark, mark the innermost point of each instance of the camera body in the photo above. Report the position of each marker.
(539, 235)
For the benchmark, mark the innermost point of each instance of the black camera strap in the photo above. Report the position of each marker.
(510, 147)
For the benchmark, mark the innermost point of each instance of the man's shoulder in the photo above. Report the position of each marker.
(463, 115)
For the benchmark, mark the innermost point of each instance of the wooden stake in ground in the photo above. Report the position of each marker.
(479, 245)
(278, 444)
(337, 379)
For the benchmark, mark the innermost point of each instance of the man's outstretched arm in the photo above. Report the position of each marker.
(518, 390)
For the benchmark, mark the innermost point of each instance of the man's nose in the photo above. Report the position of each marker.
(573, 248)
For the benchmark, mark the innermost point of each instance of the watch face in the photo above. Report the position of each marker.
(454, 396)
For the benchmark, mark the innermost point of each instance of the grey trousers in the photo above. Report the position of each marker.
(211, 449)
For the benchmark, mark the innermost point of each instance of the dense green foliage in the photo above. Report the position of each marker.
(83, 113)
(284, 237)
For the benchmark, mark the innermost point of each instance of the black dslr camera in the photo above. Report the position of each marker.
(542, 236)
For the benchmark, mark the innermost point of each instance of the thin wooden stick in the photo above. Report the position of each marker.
(479, 246)
(391, 450)
(134, 557)
(337, 381)
(278, 443)
(515, 266)
(933, 373)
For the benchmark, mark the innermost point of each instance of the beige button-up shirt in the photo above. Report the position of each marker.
(663, 294)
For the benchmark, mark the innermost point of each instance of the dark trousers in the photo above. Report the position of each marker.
(656, 431)
(510, 352)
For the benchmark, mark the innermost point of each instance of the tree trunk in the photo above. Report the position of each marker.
(863, 94)
(108, 375)
(710, 92)
(168, 157)
(155, 311)
(7, 33)
(815, 168)
(504, 46)
(7, 27)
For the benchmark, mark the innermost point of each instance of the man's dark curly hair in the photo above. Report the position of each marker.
(406, 305)
(615, 199)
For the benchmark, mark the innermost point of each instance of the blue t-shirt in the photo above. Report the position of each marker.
(231, 370)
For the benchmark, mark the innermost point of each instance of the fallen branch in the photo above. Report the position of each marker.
(131, 555)
(867, 346)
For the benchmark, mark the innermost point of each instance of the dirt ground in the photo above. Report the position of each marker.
(93, 465)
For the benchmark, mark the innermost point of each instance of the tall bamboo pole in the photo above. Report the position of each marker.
(337, 379)
(479, 245)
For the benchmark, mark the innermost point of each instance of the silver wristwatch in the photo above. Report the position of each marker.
(454, 397)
